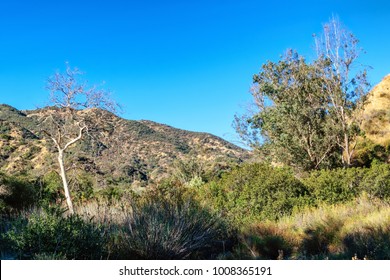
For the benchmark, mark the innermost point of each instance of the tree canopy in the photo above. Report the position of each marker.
(307, 114)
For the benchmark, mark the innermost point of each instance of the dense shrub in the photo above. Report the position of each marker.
(368, 152)
(16, 193)
(82, 188)
(341, 185)
(161, 229)
(255, 191)
(48, 233)
(376, 182)
(334, 186)
(50, 188)
(5, 248)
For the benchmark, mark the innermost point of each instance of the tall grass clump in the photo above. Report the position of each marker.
(369, 237)
(158, 228)
(355, 229)
(267, 240)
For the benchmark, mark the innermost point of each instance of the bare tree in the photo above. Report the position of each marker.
(346, 84)
(66, 124)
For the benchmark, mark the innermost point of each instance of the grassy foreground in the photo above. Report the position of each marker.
(252, 212)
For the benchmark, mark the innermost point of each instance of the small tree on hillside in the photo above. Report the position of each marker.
(65, 124)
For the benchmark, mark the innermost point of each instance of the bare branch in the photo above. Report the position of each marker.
(75, 139)
(65, 124)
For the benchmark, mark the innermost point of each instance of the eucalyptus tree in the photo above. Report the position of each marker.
(346, 84)
(291, 118)
(307, 115)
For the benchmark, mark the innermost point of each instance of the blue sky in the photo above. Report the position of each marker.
(188, 64)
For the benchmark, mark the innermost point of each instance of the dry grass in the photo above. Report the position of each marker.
(105, 213)
(360, 228)
(378, 128)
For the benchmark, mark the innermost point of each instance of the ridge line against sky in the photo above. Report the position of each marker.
(187, 64)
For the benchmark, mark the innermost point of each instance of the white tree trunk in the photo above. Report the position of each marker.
(65, 181)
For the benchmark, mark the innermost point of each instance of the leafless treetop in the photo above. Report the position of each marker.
(68, 90)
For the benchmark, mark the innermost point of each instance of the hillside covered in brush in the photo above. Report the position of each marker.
(114, 149)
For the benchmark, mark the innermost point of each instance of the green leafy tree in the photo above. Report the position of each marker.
(307, 115)
(291, 118)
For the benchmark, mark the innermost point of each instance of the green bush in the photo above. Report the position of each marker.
(5, 248)
(161, 229)
(83, 188)
(334, 186)
(5, 137)
(48, 233)
(51, 188)
(341, 185)
(368, 152)
(376, 182)
(16, 193)
(255, 191)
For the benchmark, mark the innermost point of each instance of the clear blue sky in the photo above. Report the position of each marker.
(188, 64)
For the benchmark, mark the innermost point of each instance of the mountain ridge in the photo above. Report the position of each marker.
(120, 150)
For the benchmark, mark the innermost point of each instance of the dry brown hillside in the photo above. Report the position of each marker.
(121, 150)
(376, 122)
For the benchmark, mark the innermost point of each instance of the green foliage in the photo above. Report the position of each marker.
(49, 233)
(5, 248)
(10, 116)
(334, 186)
(308, 114)
(341, 185)
(83, 188)
(5, 136)
(255, 191)
(292, 118)
(51, 188)
(367, 153)
(31, 152)
(16, 193)
(159, 228)
(111, 193)
(376, 182)
(186, 171)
